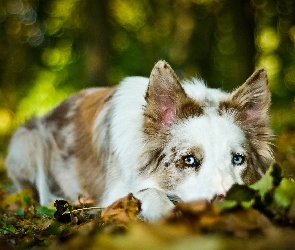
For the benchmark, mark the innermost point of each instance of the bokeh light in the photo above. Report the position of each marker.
(5, 121)
(131, 14)
(268, 40)
(49, 49)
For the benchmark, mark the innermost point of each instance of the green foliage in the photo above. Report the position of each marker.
(273, 195)
(6, 228)
(27, 199)
(42, 210)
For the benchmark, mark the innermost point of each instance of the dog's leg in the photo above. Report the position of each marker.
(155, 203)
(45, 195)
(27, 161)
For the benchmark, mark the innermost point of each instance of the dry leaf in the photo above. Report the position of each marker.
(122, 210)
(204, 217)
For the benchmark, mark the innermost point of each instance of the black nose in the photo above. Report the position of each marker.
(218, 197)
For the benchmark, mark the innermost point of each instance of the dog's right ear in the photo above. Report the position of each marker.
(253, 97)
(163, 95)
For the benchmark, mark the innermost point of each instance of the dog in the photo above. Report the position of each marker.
(155, 137)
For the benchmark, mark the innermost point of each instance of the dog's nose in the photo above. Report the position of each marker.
(218, 197)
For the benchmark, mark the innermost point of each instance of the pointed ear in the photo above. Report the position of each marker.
(163, 94)
(253, 97)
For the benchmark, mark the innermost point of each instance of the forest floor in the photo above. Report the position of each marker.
(260, 216)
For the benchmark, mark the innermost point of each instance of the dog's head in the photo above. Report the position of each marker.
(199, 144)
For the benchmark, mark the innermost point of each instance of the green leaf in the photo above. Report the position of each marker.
(45, 211)
(226, 205)
(271, 179)
(20, 211)
(248, 204)
(27, 199)
(285, 193)
(240, 193)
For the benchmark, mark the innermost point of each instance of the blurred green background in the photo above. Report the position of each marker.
(52, 48)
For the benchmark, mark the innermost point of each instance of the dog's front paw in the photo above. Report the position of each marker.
(155, 204)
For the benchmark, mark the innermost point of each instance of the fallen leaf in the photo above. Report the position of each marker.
(205, 217)
(122, 211)
(61, 207)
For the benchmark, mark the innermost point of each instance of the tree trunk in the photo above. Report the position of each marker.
(98, 45)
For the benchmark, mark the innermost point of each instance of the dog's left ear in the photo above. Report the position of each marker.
(253, 97)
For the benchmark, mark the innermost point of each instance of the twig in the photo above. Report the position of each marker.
(83, 209)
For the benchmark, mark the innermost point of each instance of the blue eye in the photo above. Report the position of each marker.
(190, 160)
(238, 159)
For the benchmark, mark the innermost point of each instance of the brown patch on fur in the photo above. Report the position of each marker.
(31, 124)
(58, 114)
(250, 175)
(255, 162)
(159, 159)
(90, 168)
(228, 107)
(189, 108)
(59, 118)
(90, 107)
(198, 153)
(155, 158)
(186, 108)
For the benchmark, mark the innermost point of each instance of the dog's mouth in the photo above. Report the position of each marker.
(174, 198)
(219, 197)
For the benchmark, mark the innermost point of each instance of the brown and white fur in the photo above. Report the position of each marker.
(155, 137)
